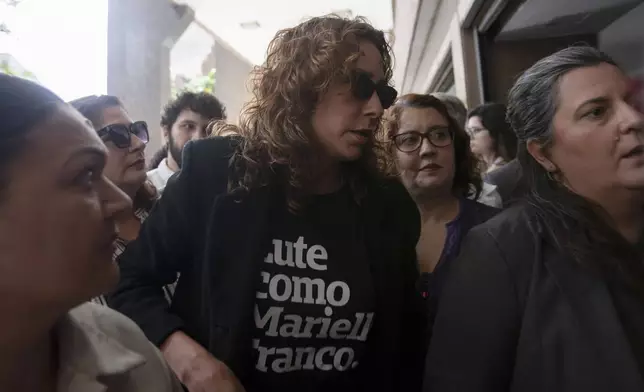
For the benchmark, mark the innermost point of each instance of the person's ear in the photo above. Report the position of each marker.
(540, 155)
(166, 134)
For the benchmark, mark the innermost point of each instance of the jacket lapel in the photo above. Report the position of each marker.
(592, 303)
(242, 241)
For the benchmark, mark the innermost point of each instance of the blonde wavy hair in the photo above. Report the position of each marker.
(275, 126)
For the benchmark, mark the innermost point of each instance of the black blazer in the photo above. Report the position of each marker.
(518, 315)
(216, 241)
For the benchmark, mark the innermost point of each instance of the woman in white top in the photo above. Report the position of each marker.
(57, 229)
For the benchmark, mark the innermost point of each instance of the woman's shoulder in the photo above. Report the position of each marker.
(477, 211)
(515, 232)
(390, 189)
(206, 163)
(391, 192)
(209, 152)
(109, 342)
(517, 219)
(106, 320)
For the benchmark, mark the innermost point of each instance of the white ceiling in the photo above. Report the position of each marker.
(224, 18)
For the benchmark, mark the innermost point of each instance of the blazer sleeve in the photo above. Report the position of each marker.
(475, 334)
(155, 257)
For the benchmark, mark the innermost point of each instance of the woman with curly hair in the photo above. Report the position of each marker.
(296, 252)
(431, 154)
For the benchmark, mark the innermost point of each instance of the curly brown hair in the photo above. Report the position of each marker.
(466, 173)
(301, 64)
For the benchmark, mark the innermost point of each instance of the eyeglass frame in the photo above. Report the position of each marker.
(108, 129)
(424, 136)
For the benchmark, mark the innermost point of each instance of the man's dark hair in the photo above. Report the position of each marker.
(202, 103)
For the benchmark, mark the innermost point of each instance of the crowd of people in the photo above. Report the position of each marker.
(338, 238)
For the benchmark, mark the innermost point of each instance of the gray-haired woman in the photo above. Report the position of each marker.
(549, 295)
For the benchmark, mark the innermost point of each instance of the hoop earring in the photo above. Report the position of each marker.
(551, 176)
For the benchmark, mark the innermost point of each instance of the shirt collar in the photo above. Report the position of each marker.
(89, 353)
(164, 170)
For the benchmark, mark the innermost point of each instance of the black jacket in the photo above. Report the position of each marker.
(518, 315)
(509, 181)
(216, 241)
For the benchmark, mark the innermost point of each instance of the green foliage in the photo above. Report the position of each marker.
(5, 68)
(202, 83)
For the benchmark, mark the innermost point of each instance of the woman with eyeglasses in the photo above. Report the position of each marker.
(125, 140)
(431, 155)
(492, 139)
(296, 252)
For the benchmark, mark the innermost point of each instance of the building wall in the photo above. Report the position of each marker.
(484, 64)
(405, 12)
(440, 42)
(440, 30)
(624, 41)
(231, 79)
(140, 36)
(504, 61)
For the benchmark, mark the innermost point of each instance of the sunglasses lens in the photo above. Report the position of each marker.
(387, 95)
(363, 87)
(140, 130)
(120, 136)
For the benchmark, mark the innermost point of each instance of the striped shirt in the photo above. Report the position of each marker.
(119, 246)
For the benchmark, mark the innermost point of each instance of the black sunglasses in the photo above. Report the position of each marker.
(363, 88)
(121, 134)
(411, 141)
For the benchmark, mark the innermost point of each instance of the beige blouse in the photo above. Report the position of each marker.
(103, 351)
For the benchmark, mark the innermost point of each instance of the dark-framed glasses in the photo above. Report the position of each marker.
(412, 140)
(121, 134)
(363, 88)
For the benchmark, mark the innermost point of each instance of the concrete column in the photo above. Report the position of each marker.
(141, 34)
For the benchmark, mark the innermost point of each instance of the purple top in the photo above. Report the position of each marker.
(470, 214)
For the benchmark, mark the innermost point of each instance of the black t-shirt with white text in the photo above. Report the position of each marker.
(315, 301)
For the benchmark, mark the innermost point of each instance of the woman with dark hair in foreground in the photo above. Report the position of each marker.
(296, 253)
(549, 294)
(58, 216)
